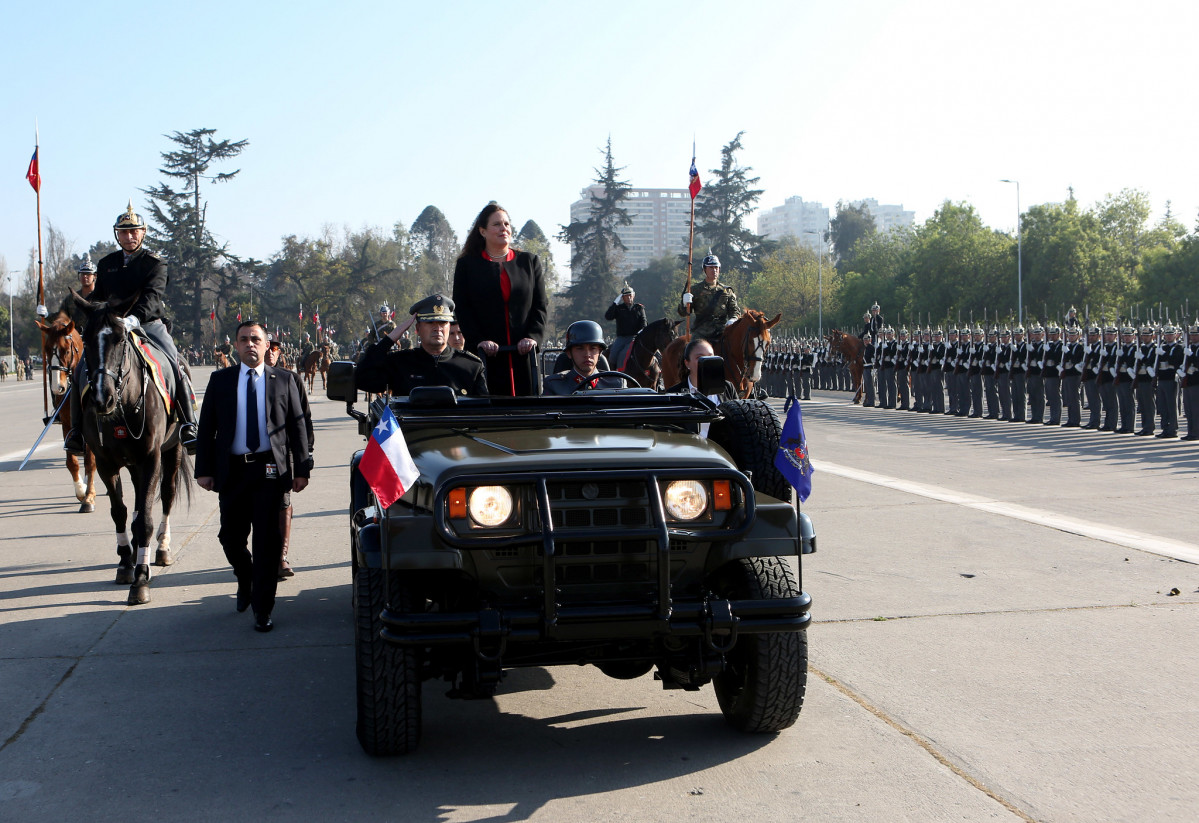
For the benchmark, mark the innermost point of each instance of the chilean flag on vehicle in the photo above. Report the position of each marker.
(386, 463)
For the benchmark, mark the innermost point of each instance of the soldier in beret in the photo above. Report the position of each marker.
(432, 363)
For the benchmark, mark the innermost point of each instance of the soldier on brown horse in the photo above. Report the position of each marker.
(743, 347)
(62, 347)
(850, 347)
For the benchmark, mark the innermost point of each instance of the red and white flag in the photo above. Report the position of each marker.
(694, 186)
(386, 463)
(33, 175)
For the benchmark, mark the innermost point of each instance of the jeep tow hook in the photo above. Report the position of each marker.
(720, 622)
(490, 630)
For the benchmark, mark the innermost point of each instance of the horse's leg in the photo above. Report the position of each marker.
(73, 468)
(89, 469)
(111, 478)
(145, 480)
(170, 472)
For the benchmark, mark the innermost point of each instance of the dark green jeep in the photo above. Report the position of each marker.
(597, 528)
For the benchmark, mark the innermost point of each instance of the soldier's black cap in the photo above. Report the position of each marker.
(436, 308)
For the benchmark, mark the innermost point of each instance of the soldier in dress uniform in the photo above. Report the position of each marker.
(987, 368)
(432, 363)
(1168, 367)
(1051, 375)
(1036, 362)
(630, 319)
(949, 369)
(584, 345)
(1073, 357)
(711, 305)
(807, 364)
(868, 356)
(974, 380)
(936, 368)
(885, 351)
(1143, 380)
(1017, 374)
(901, 398)
(1092, 354)
(1126, 371)
(87, 284)
(1003, 373)
(1109, 371)
(136, 273)
(1190, 382)
(874, 321)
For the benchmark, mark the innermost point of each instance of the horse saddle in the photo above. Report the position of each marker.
(158, 364)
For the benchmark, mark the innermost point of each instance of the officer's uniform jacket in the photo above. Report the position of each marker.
(570, 381)
(143, 277)
(629, 319)
(1073, 355)
(1052, 364)
(382, 369)
(1169, 360)
(712, 307)
(1145, 355)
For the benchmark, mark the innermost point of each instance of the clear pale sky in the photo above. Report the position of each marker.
(362, 113)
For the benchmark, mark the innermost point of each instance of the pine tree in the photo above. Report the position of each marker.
(596, 249)
(721, 210)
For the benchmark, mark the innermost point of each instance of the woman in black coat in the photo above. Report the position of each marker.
(499, 293)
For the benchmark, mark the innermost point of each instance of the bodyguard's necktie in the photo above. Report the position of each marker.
(252, 441)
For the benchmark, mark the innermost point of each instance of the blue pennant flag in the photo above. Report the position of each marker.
(792, 458)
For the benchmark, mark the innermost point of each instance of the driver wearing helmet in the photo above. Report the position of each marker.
(584, 345)
(711, 305)
(138, 274)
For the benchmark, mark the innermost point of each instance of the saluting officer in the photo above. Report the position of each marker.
(712, 305)
(138, 274)
(432, 363)
(630, 319)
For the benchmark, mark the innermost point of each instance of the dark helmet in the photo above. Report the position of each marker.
(582, 332)
(129, 219)
(711, 260)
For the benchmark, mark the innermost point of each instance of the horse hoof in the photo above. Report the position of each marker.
(124, 574)
(139, 592)
(162, 557)
(87, 508)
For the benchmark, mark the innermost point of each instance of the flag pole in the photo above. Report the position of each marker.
(693, 186)
(35, 174)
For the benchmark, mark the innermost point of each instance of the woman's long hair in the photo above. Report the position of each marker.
(475, 244)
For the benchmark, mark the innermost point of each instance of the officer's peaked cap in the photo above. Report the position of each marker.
(436, 308)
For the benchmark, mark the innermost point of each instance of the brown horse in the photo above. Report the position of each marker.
(62, 346)
(851, 348)
(318, 360)
(641, 362)
(743, 348)
(222, 360)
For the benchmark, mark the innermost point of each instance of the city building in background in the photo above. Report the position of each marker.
(805, 221)
(887, 218)
(661, 219)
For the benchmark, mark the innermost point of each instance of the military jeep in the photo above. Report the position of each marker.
(598, 528)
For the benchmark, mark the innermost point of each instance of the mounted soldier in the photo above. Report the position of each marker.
(136, 274)
(711, 305)
(630, 319)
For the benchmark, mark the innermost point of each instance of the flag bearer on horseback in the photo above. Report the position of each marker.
(135, 272)
(711, 305)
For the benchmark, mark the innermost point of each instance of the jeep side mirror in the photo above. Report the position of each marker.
(710, 379)
(340, 385)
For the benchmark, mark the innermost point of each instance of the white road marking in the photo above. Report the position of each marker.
(1164, 546)
(20, 455)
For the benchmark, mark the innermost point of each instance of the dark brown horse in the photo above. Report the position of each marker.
(743, 348)
(62, 348)
(316, 361)
(642, 362)
(127, 423)
(851, 348)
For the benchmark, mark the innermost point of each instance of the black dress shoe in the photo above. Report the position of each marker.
(1123, 431)
(1167, 435)
(187, 437)
(1092, 428)
(1144, 433)
(244, 587)
(263, 623)
(74, 443)
(1072, 426)
(1190, 437)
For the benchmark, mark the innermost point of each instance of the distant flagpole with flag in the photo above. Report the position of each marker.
(792, 458)
(694, 186)
(386, 463)
(34, 175)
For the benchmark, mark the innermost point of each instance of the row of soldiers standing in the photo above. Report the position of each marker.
(997, 374)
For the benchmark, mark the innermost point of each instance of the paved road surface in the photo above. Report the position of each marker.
(986, 646)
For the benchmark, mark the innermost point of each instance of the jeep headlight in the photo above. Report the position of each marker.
(686, 499)
(490, 505)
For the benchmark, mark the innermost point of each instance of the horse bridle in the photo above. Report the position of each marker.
(118, 381)
(749, 355)
(56, 359)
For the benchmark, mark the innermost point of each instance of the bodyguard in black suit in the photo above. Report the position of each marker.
(252, 449)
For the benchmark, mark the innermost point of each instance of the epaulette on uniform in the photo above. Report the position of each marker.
(474, 357)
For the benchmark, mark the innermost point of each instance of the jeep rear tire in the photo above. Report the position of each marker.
(762, 686)
(750, 433)
(388, 676)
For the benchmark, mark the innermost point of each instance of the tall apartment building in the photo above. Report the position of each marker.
(886, 218)
(661, 221)
(805, 221)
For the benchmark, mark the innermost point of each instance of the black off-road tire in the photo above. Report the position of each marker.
(765, 677)
(388, 676)
(750, 433)
(360, 496)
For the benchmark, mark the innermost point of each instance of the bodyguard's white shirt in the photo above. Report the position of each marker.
(239, 433)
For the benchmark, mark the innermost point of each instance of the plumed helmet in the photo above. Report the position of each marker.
(1054, 328)
(87, 266)
(711, 260)
(1111, 328)
(1074, 330)
(1018, 330)
(627, 288)
(384, 309)
(582, 332)
(1169, 328)
(129, 219)
(1036, 328)
(1094, 329)
(1128, 328)
(1146, 329)
(875, 307)
(1005, 332)
(1195, 327)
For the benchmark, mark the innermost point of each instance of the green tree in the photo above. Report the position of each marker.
(790, 282)
(1171, 277)
(199, 266)
(1068, 260)
(721, 209)
(657, 288)
(436, 246)
(531, 231)
(595, 247)
(851, 225)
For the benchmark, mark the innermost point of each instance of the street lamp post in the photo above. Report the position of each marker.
(1019, 255)
(12, 346)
